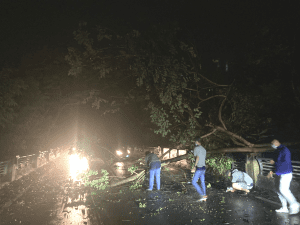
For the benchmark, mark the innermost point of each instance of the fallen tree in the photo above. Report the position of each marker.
(139, 175)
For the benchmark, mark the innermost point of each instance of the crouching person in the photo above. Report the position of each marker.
(241, 181)
(153, 162)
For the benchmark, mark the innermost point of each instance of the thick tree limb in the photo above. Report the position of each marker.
(134, 177)
(234, 136)
(210, 133)
(220, 113)
(129, 179)
(237, 143)
(215, 96)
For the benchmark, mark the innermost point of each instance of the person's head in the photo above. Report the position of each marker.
(147, 153)
(197, 141)
(275, 143)
(229, 173)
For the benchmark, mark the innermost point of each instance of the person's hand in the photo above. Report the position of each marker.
(193, 170)
(270, 174)
(272, 161)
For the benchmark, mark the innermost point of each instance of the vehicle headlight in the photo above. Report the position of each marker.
(119, 152)
(128, 151)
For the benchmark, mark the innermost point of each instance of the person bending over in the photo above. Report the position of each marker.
(241, 181)
(153, 162)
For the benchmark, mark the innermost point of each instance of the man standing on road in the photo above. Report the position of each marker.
(152, 161)
(284, 169)
(199, 170)
(240, 181)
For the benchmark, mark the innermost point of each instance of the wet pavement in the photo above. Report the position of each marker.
(176, 203)
(40, 198)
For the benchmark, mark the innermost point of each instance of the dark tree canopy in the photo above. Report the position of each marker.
(164, 74)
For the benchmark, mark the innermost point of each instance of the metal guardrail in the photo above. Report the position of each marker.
(24, 161)
(266, 167)
(3, 167)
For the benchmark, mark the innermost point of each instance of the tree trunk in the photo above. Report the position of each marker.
(132, 178)
(129, 179)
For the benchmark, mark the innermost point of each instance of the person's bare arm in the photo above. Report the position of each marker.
(194, 168)
(270, 174)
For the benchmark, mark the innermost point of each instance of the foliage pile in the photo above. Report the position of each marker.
(98, 184)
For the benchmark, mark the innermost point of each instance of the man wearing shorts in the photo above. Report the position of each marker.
(241, 181)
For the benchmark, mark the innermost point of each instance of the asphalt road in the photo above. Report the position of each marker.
(40, 198)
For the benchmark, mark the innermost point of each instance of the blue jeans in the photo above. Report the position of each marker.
(154, 170)
(199, 174)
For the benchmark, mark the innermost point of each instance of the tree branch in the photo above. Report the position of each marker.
(215, 96)
(210, 133)
(234, 135)
(220, 109)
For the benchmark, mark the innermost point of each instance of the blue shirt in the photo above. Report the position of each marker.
(201, 152)
(283, 162)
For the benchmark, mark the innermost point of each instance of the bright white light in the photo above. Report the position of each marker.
(77, 165)
(119, 152)
(119, 164)
(128, 151)
(74, 148)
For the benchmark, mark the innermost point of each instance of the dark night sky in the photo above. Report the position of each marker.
(218, 28)
(25, 25)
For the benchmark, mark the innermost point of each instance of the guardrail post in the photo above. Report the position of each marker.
(252, 167)
(11, 171)
(47, 154)
(34, 161)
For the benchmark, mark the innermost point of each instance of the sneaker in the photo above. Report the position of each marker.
(203, 199)
(282, 210)
(294, 209)
(229, 189)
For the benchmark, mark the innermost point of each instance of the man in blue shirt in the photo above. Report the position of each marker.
(199, 168)
(284, 169)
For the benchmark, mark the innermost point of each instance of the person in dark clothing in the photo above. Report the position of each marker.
(153, 162)
(283, 170)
